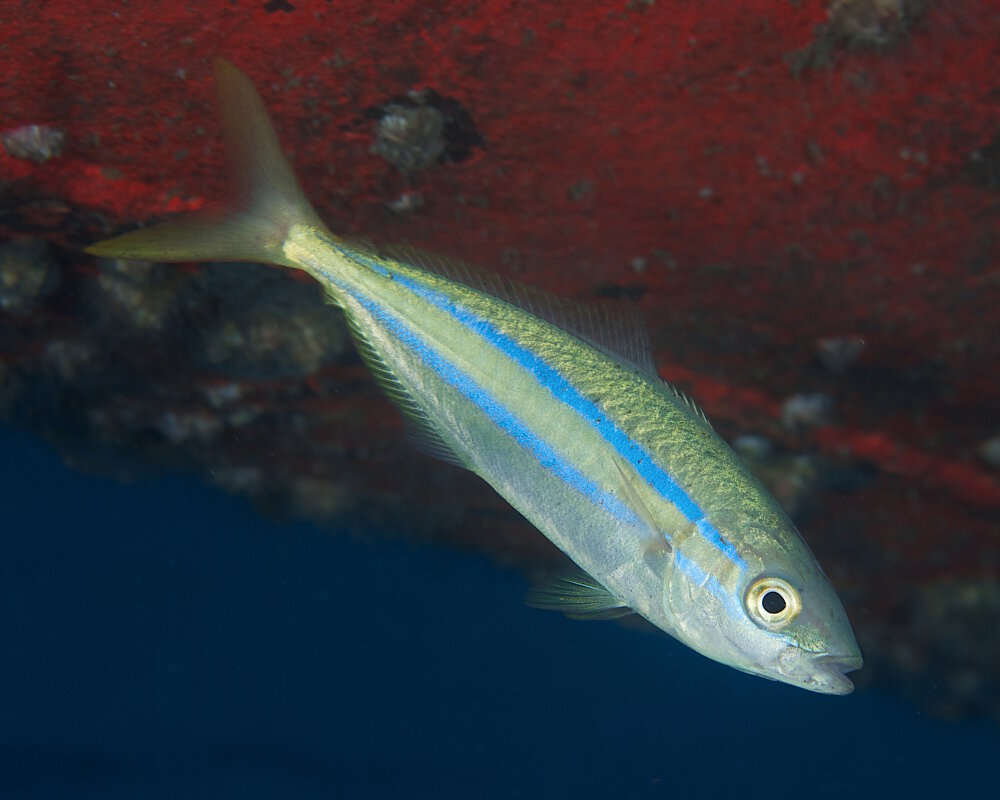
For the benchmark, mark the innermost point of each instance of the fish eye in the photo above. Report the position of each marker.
(772, 602)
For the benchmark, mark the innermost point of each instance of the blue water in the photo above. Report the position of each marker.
(160, 640)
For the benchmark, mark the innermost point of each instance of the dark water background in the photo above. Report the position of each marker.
(160, 640)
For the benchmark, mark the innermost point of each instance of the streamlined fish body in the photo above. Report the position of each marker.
(560, 409)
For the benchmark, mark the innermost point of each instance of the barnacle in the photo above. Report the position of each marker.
(858, 25)
(36, 143)
(423, 128)
(410, 136)
(25, 269)
(872, 23)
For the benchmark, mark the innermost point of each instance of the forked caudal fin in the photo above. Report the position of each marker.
(263, 202)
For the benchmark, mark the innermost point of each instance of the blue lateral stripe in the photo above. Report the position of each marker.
(501, 416)
(563, 390)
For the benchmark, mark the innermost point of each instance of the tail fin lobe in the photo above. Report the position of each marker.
(263, 203)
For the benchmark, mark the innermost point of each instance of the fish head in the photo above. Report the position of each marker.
(798, 631)
(768, 610)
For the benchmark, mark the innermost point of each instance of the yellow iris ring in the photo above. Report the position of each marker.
(755, 603)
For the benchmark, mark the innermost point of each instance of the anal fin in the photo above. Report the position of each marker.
(420, 429)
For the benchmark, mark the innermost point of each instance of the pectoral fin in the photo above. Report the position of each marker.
(578, 596)
(658, 542)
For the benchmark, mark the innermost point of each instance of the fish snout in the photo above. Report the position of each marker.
(830, 672)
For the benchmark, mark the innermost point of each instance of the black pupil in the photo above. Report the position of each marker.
(773, 603)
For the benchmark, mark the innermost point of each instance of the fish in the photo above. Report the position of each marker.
(559, 407)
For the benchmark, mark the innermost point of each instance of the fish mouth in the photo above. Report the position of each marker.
(829, 672)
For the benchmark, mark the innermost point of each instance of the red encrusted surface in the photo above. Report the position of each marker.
(767, 206)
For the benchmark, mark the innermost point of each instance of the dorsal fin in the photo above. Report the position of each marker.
(684, 398)
(616, 329)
